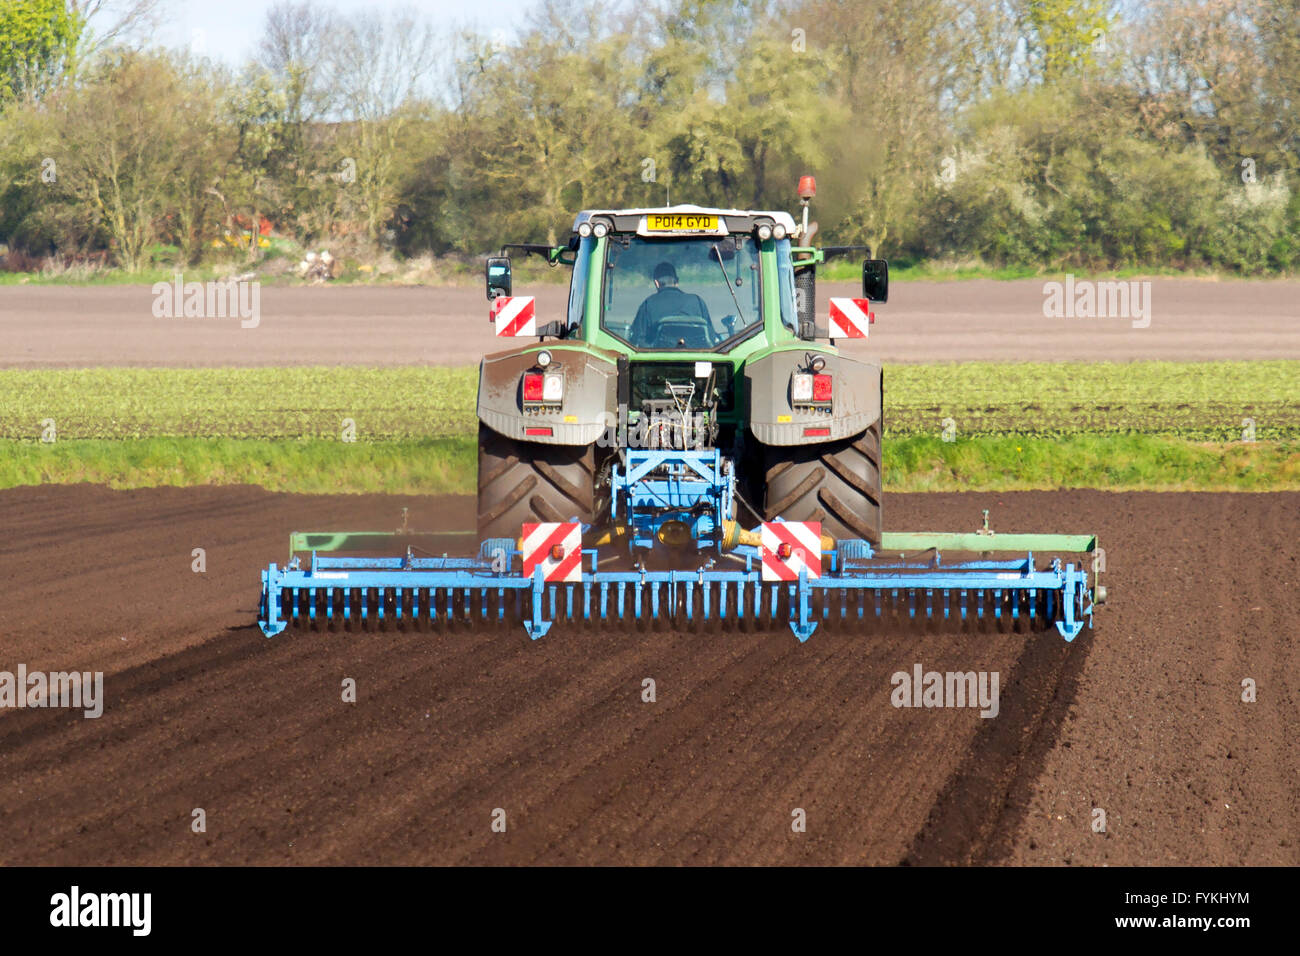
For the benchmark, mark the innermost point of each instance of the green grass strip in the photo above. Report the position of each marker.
(447, 466)
(1108, 462)
(313, 466)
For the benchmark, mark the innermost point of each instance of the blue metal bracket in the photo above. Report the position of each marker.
(537, 626)
(270, 622)
(1070, 628)
(804, 626)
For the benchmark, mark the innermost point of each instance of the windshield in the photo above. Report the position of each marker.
(691, 294)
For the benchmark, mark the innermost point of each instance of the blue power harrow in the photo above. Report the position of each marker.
(672, 556)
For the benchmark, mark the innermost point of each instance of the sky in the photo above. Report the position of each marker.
(228, 29)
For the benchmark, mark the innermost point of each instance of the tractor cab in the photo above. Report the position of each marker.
(680, 279)
(683, 279)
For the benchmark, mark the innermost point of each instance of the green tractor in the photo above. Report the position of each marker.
(686, 328)
(683, 446)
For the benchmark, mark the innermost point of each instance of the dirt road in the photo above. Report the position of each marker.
(1142, 718)
(1190, 320)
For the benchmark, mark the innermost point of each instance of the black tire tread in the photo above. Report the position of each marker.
(838, 484)
(522, 482)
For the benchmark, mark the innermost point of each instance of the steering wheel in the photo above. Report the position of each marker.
(684, 331)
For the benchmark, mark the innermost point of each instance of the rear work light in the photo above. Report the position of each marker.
(801, 387)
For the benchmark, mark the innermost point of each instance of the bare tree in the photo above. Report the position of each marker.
(295, 50)
(381, 65)
(112, 21)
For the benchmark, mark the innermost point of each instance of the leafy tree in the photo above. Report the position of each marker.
(137, 148)
(545, 128)
(38, 39)
(1068, 33)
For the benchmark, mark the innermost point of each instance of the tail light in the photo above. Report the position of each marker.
(811, 389)
(543, 388)
(533, 386)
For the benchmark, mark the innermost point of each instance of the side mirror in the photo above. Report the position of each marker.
(498, 276)
(875, 280)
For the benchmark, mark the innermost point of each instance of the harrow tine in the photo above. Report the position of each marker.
(692, 607)
(583, 619)
(742, 615)
(640, 599)
(727, 611)
(622, 601)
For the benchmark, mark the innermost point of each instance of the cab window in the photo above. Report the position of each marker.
(682, 294)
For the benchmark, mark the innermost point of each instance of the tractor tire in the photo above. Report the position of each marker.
(837, 484)
(522, 482)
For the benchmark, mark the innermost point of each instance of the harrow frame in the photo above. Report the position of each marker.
(857, 584)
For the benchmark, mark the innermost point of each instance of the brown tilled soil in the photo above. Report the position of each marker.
(1142, 718)
(1190, 320)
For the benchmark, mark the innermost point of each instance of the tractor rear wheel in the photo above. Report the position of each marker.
(529, 482)
(837, 484)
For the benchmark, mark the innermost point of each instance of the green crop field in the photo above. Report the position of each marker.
(1198, 401)
(995, 426)
(120, 403)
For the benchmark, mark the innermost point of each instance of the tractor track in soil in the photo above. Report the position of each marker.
(1141, 717)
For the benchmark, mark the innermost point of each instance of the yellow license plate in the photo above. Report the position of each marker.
(681, 222)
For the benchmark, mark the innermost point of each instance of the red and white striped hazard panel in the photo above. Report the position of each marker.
(514, 315)
(788, 547)
(849, 318)
(557, 548)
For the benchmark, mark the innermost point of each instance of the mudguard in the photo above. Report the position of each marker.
(590, 394)
(774, 420)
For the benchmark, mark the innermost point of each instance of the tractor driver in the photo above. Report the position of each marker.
(666, 300)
